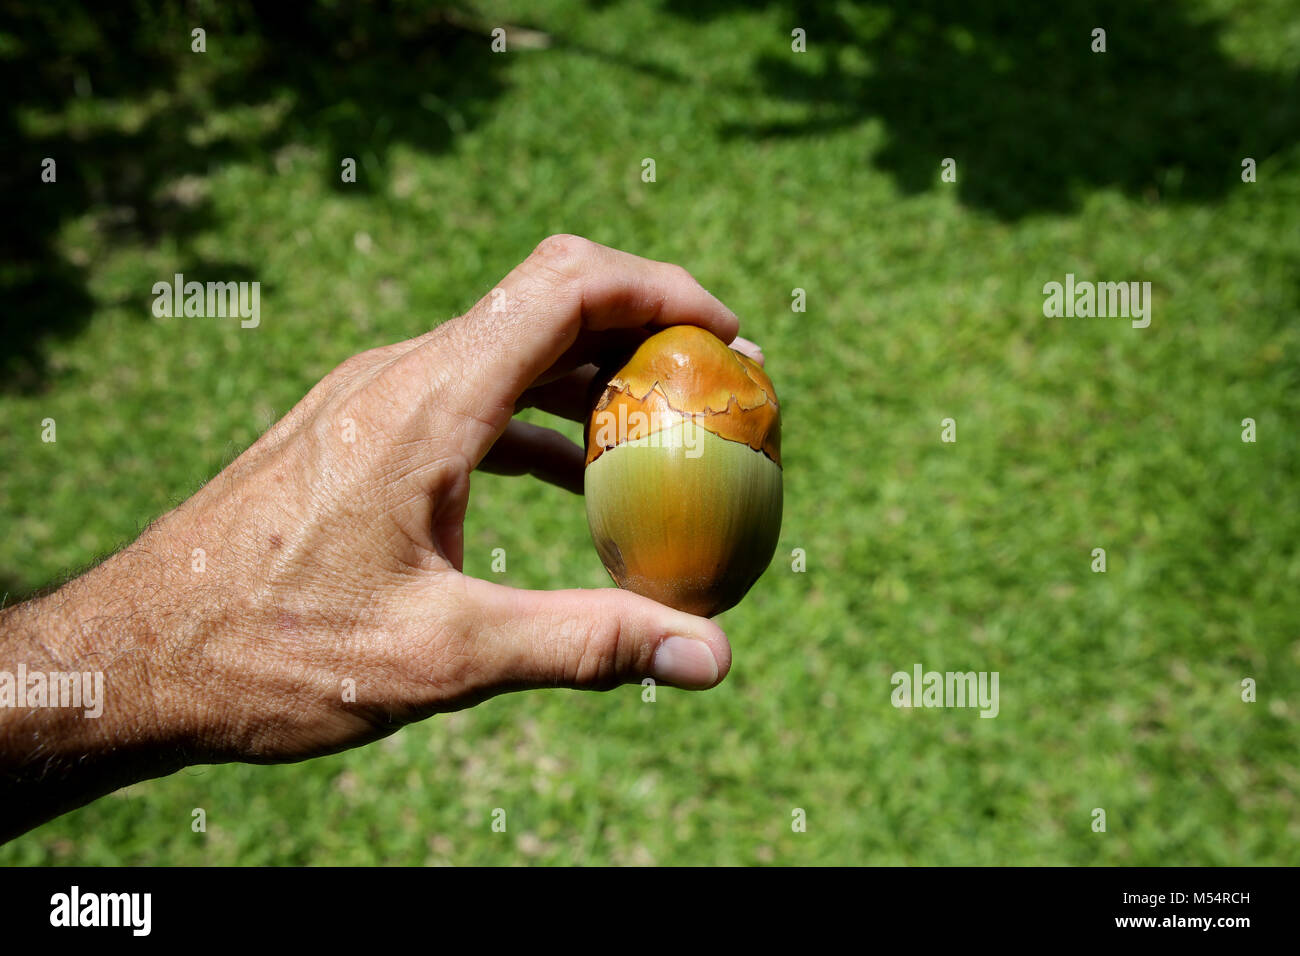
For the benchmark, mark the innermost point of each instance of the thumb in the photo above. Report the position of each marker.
(592, 639)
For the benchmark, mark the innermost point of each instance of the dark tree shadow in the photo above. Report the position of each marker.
(348, 80)
(1013, 92)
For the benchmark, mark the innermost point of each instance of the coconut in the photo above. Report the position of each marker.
(683, 477)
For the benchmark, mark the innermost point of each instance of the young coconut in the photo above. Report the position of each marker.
(683, 476)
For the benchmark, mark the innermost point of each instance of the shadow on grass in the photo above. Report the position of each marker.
(1013, 92)
(134, 118)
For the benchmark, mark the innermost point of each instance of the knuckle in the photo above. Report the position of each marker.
(562, 253)
(682, 274)
(597, 661)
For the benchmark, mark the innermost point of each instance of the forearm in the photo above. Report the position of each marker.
(83, 709)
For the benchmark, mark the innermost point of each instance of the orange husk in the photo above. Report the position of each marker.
(687, 372)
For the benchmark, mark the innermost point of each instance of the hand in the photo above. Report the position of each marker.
(332, 551)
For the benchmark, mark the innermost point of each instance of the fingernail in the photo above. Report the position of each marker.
(685, 662)
(746, 347)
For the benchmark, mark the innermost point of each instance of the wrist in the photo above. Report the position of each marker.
(95, 658)
(88, 705)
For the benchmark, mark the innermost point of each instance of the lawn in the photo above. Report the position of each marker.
(775, 171)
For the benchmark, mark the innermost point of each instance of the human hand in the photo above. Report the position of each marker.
(333, 545)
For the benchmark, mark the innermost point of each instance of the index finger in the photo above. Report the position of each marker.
(480, 363)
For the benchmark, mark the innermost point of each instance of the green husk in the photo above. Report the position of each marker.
(685, 517)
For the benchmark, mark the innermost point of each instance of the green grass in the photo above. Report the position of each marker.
(1118, 690)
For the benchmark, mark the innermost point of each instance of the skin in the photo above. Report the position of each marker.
(327, 560)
